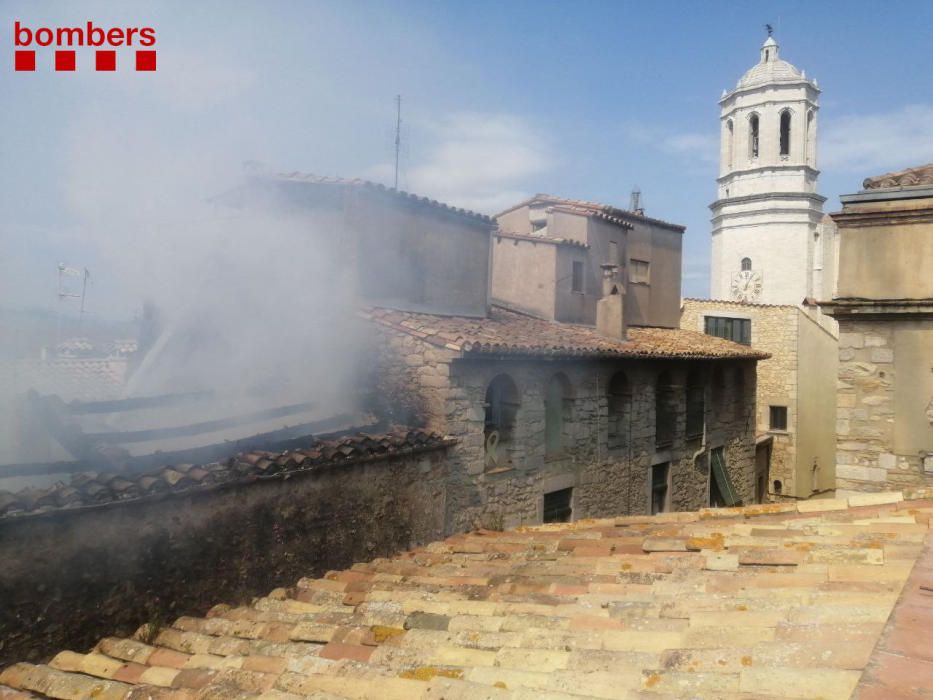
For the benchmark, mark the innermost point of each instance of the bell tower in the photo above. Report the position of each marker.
(767, 218)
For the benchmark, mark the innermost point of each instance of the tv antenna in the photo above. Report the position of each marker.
(64, 293)
(398, 134)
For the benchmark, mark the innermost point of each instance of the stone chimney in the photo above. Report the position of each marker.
(610, 309)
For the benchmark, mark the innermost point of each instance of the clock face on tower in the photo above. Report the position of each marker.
(746, 285)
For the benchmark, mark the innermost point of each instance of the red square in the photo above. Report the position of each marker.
(25, 60)
(145, 60)
(105, 60)
(64, 60)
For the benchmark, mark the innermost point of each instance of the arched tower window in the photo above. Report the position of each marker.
(785, 133)
(746, 264)
(730, 138)
(753, 136)
(810, 145)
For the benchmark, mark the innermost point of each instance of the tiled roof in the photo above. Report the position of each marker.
(311, 179)
(582, 205)
(95, 489)
(596, 212)
(70, 378)
(541, 239)
(911, 177)
(765, 602)
(506, 332)
(733, 302)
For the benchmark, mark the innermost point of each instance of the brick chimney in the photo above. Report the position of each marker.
(610, 309)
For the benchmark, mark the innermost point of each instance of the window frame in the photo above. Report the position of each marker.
(725, 327)
(564, 511)
(577, 283)
(781, 412)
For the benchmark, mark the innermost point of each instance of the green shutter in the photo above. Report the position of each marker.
(723, 482)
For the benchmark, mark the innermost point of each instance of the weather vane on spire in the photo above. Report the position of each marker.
(770, 29)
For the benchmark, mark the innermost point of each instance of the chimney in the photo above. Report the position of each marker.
(610, 309)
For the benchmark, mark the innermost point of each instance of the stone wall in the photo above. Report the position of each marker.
(70, 577)
(605, 482)
(884, 404)
(774, 330)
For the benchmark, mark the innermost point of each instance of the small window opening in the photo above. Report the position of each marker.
(660, 490)
(815, 477)
(778, 417)
(778, 486)
(746, 264)
(785, 133)
(576, 281)
(696, 408)
(753, 136)
(558, 506)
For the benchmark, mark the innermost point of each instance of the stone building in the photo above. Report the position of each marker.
(884, 306)
(773, 253)
(551, 420)
(549, 254)
(558, 422)
(795, 389)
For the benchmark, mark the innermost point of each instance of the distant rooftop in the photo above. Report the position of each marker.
(910, 177)
(582, 206)
(775, 601)
(311, 179)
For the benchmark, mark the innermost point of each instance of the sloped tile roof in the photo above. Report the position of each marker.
(911, 177)
(94, 489)
(585, 206)
(773, 601)
(70, 378)
(311, 179)
(506, 332)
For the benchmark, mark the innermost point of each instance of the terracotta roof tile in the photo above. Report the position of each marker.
(628, 607)
(93, 488)
(309, 178)
(584, 206)
(506, 332)
(911, 177)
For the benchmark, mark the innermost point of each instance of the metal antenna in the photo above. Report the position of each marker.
(398, 133)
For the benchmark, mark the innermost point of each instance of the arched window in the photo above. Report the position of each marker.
(753, 136)
(665, 413)
(718, 391)
(730, 139)
(810, 145)
(785, 132)
(746, 264)
(738, 388)
(696, 404)
(500, 411)
(620, 410)
(558, 407)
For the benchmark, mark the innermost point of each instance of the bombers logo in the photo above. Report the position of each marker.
(103, 41)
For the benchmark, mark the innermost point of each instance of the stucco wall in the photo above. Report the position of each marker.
(415, 259)
(524, 274)
(70, 577)
(817, 366)
(880, 247)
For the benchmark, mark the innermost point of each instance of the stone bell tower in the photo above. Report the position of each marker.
(768, 218)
